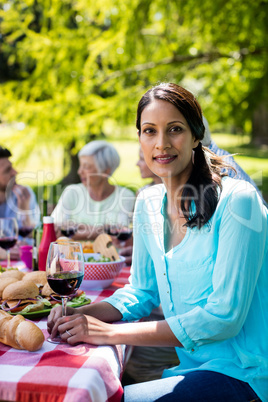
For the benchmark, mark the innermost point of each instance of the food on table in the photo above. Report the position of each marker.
(38, 277)
(14, 273)
(4, 282)
(24, 300)
(87, 247)
(104, 246)
(62, 240)
(19, 333)
(20, 294)
(101, 259)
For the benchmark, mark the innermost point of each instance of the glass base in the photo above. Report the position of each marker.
(57, 340)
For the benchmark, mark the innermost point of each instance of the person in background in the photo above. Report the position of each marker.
(16, 201)
(201, 250)
(237, 172)
(96, 201)
(146, 172)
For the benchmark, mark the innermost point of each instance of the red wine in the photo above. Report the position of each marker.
(7, 242)
(121, 234)
(65, 282)
(68, 232)
(25, 231)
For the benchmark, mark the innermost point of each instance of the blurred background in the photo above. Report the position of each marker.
(73, 71)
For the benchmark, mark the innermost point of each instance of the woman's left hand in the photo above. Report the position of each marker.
(78, 328)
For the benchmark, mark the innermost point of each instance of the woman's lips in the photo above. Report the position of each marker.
(164, 159)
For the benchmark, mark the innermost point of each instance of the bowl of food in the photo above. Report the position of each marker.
(100, 271)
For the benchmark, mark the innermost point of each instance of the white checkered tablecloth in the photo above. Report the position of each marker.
(56, 373)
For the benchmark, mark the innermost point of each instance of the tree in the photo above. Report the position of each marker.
(68, 68)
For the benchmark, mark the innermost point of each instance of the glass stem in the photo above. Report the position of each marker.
(64, 300)
(8, 258)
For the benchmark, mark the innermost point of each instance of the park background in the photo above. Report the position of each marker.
(73, 71)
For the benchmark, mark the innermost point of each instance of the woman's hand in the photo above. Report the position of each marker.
(54, 315)
(78, 328)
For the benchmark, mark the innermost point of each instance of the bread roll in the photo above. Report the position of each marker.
(28, 336)
(13, 273)
(38, 277)
(11, 330)
(47, 291)
(20, 333)
(20, 290)
(4, 282)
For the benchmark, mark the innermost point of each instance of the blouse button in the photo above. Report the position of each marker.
(192, 350)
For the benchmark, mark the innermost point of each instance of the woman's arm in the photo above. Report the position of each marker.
(97, 331)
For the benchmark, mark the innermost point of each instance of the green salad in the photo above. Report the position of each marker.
(101, 259)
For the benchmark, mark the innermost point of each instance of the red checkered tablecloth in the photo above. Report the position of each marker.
(56, 373)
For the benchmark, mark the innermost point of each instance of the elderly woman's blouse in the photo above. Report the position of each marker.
(75, 204)
(213, 286)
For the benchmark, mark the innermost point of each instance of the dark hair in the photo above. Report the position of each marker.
(204, 183)
(4, 152)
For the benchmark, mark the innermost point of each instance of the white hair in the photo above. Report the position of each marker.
(207, 135)
(105, 155)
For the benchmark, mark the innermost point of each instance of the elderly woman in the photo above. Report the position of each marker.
(95, 201)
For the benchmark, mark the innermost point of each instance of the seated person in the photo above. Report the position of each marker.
(200, 249)
(16, 201)
(95, 201)
(147, 363)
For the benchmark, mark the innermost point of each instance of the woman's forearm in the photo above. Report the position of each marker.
(103, 311)
(149, 333)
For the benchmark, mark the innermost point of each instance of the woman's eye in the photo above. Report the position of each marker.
(148, 131)
(176, 129)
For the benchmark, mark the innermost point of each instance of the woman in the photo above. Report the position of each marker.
(200, 248)
(96, 200)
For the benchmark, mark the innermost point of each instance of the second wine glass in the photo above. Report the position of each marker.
(65, 271)
(8, 235)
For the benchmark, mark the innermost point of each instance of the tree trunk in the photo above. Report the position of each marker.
(260, 125)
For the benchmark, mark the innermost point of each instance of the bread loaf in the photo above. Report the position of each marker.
(4, 282)
(20, 290)
(19, 333)
(37, 277)
(12, 273)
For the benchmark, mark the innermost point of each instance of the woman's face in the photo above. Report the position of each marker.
(88, 172)
(166, 140)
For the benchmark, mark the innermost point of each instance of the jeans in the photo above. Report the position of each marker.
(203, 386)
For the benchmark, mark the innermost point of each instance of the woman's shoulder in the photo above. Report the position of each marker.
(236, 187)
(152, 191)
(240, 196)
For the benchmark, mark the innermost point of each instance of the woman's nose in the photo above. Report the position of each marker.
(162, 142)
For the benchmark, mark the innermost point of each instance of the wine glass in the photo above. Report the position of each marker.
(65, 272)
(26, 227)
(8, 235)
(122, 230)
(68, 228)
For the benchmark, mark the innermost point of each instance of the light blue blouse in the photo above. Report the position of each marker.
(213, 286)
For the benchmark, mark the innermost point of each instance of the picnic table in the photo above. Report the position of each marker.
(62, 372)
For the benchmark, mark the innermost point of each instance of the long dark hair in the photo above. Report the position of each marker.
(204, 184)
